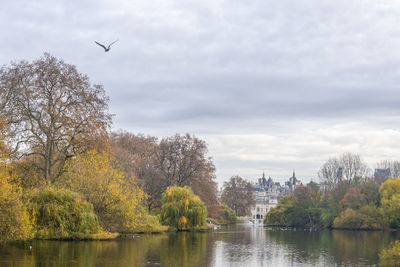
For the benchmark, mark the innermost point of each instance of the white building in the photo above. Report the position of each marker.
(267, 195)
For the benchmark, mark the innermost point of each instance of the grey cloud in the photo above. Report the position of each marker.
(218, 67)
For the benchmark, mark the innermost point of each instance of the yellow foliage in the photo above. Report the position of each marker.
(15, 223)
(182, 223)
(390, 201)
(98, 177)
(181, 208)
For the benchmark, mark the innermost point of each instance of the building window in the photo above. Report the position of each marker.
(261, 216)
(258, 209)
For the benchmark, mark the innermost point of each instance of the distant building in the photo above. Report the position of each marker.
(268, 193)
(381, 175)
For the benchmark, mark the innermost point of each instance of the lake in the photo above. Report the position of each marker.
(238, 245)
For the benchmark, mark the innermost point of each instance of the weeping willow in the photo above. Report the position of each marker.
(62, 214)
(182, 209)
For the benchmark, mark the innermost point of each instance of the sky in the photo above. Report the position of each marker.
(271, 86)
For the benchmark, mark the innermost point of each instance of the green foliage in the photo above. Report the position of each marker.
(300, 209)
(390, 256)
(60, 213)
(282, 214)
(150, 224)
(390, 201)
(182, 209)
(227, 215)
(368, 217)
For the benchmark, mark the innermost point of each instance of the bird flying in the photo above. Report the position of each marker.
(106, 49)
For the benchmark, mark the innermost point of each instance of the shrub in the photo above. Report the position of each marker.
(367, 217)
(227, 214)
(390, 256)
(61, 213)
(182, 209)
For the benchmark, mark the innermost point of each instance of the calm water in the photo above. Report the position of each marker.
(231, 246)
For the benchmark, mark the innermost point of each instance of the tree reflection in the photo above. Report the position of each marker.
(238, 245)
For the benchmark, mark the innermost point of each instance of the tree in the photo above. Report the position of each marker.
(182, 209)
(177, 160)
(391, 255)
(182, 159)
(347, 167)
(61, 213)
(52, 111)
(392, 165)
(15, 222)
(136, 154)
(99, 178)
(353, 199)
(367, 217)
(238, 194)
(390, 200)
(227, 215)
(306, 206)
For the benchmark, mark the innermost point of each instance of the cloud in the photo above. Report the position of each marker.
(275, 85)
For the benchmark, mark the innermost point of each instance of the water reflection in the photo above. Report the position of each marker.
(232, 246)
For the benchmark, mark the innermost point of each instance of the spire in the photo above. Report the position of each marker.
(294, 174)
(263, 175)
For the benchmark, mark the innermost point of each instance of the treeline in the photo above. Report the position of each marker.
(348, 198)
(64, 175)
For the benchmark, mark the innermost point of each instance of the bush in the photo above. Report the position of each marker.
(15, 223)
(390, 256)
(182, 209)
(62, 214)
(227, 215)
(368, 217)
(150, 224)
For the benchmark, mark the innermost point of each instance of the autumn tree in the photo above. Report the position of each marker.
(178, 160)
(182, 160)
(98, 177)
(15, 222)
(238, 194)
(353, 199)
(52, 110)
(390, 201)
(136, 154)
(347, 167)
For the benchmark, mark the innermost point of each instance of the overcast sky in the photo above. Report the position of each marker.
(269, 85)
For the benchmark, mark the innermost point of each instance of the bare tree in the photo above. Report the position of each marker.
(181, 159)
(136, 153)
(238, 194)
(177, 160)
(347, 167)
(392, 165)
(51, 110)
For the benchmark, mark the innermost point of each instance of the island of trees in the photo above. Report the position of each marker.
(65, 175)
(348, 198)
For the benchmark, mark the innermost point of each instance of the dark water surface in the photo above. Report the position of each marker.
(231, 246)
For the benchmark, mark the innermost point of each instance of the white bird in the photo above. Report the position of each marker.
(106, 49)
